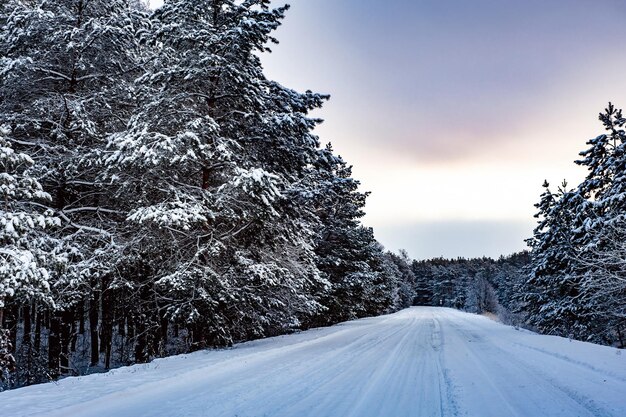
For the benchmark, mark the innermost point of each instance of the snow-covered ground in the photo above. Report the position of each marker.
(418, 362)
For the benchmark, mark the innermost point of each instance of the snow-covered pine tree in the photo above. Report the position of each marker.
(445, 285)
(508, 282)
(534, 296)
(187, 185)
(208, 171)
(553, 296)
(577, 253)
(28, 263)
(480, 294)
(65, 72)
(345, 249)
(383, 289)
(7, 360)
(406, 279)
(601, 225)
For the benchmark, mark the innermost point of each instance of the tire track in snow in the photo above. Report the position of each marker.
(356, 355)
(480, 368)
(569, 360)
(448, 403)
(379, 376)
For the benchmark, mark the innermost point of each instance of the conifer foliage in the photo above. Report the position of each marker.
(577, 271)
(160, 194)
(25, 249)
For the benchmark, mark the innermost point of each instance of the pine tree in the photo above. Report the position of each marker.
(601, 222)
(480, 294)
(211, 169)
(7, 360)
(508, 282)
(343, 247)
(66, 68)
(406, 279)
(23, 249)
(28, 258)
(577, 267)
(555, 299)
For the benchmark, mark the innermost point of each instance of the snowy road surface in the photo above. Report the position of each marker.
(418, 362)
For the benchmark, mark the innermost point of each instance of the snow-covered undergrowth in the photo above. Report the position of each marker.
(422, 361)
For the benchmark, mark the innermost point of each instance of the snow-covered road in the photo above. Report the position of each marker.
(418, 362)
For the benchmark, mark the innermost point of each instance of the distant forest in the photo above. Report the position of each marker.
(160, 195)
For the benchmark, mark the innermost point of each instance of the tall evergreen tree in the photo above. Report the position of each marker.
(215, 158)
(423, 282)
(552, 293)
(406, 279)
(601, 222)
(66, 68)
(345, 249)
(29, 261)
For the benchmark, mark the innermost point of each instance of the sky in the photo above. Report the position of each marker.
(453, 112)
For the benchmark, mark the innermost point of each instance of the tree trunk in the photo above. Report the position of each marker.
(37, 342)
(121, 325)
(67, 319)
(106, 330)
(26, 340)
(130, 327)
(205, 178)
(140, 346)
(81, 317)
(74, 332)
(159, 340)
(93, 326)
(620, 336)
(12, 321)
(54, 346)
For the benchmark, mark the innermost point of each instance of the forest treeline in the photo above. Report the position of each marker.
(480, 285)
(161, 195)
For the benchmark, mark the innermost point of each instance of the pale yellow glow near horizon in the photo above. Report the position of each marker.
(468, 192)
(501, 180)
